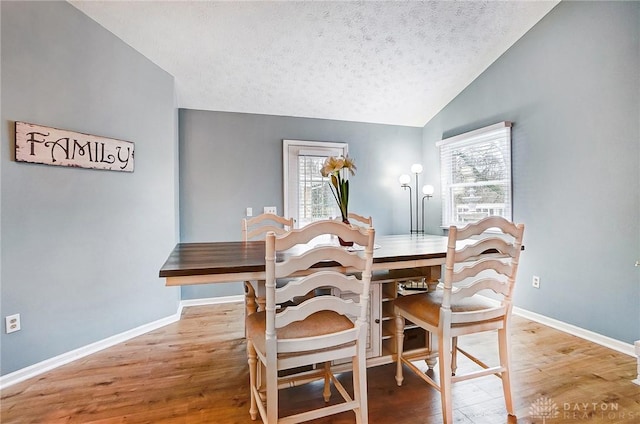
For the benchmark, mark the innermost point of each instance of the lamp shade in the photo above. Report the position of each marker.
(404, 179)
(428, 190)
(416, 168)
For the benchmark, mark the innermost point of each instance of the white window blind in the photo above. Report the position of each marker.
(475, 169)
(315, 200)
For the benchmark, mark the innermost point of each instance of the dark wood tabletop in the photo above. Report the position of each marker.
(191, 259)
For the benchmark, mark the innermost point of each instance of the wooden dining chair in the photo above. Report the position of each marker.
(319, 329)
(256, 228)
(456, 309)
(359, 219)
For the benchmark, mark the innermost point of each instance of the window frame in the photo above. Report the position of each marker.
(291, 150)
(499, 134)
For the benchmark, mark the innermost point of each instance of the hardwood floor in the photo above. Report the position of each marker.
(195, 371)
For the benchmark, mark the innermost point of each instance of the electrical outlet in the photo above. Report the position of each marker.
(270, 209)
(12, 323)
(536, 282)
(249, 212)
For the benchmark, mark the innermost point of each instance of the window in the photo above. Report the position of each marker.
(475, 168)
(307, 195)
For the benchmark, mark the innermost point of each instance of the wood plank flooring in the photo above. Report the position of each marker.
(194, 371)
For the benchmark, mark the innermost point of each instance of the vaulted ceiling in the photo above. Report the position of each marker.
(390, 62)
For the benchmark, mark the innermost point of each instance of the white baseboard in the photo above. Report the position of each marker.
(637, 348)
(622, 347)
(211, 301)
(51, 363)
(57, 361)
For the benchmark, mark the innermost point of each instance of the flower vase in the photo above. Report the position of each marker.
(342, 242)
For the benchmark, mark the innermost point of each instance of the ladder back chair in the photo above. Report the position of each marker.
(456, 309)
(359, 219)
(256, 228)
(318, 330)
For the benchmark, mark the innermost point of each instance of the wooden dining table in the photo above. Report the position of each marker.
(220, 262)
(397, 261)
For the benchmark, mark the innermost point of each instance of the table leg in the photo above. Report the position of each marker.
(250, 298)
(432, 276)
(261, 295)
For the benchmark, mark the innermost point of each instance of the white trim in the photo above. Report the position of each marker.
(637, 345)
(472, 135)
(212, 300)
(52, 363)
(620, 346)
(608, 342)
(57, 361)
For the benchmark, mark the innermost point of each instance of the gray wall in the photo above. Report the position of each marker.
(81, 248)
(231, 161)
(571, 86)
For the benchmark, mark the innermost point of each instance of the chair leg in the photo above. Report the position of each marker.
(272, 393)
(444, 358)
(399, 346)
(360, 383)
(505, 362)
(251, 354)
(454, 355)
(326, 393)
(432, 344)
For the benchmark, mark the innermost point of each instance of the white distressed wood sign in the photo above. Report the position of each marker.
(52, 146)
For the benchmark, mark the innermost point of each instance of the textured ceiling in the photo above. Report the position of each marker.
(384, 62)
